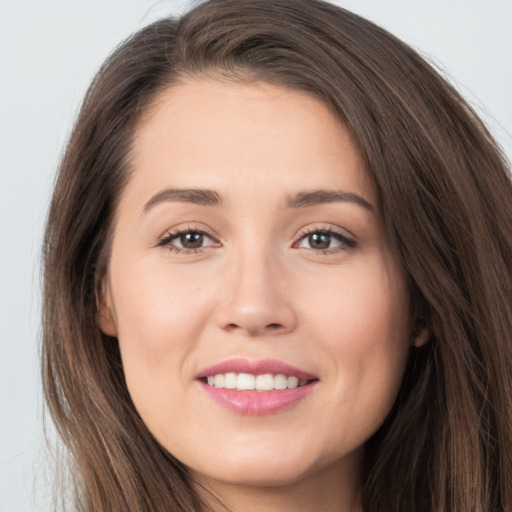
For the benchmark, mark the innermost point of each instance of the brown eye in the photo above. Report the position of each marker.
(191, 240)
(325, 240)
(187, 241)
(319, 240)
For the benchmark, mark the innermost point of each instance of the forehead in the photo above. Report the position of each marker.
(200, 133)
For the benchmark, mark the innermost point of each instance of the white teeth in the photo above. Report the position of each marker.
(230, 381)
(265, 382)
(219, 380)
(280, 382)
(245, 381)
(249, 382)
(293, 382)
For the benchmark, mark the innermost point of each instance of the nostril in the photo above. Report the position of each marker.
(269, 327)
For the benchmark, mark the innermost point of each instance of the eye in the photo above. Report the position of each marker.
(187, 240)
(325, 241)
(191, 240)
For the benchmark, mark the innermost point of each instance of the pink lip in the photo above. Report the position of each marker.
(256, 402)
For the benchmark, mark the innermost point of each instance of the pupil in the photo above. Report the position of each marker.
(319, 240)
(191, 240)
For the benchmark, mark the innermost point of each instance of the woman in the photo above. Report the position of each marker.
(278, 274)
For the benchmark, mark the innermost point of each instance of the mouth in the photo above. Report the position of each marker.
(256, 387)
(250, 382)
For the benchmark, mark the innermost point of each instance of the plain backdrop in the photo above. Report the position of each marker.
(49, 51)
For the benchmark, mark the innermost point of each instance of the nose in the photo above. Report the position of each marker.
(255, 301)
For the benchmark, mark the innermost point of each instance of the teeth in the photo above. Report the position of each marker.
(293, 382)
(248, 382)
(280, 382)
(265, 382)
(230, 381)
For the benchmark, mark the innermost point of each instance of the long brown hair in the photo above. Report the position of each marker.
(446, 201)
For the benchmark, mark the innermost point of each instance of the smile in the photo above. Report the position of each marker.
(256, 387)
(249, 382)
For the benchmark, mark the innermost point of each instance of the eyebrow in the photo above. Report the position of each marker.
(204, 197)
(201, 197)
(317, 197)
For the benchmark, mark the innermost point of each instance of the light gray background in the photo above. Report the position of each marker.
(49, 51)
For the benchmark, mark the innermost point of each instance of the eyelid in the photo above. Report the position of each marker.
(171, 234)
(347, 239)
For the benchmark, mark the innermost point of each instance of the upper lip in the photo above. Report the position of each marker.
(259, 367)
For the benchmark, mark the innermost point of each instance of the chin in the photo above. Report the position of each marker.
(261, 475)
(256, 470)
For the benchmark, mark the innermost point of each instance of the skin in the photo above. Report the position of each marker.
(256, 289)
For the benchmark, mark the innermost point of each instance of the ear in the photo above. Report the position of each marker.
(421, 338)
(105, 316)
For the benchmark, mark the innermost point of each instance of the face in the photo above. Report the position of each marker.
(261, 318)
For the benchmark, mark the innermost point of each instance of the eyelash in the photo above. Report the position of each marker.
(346, 243)
(173, 235)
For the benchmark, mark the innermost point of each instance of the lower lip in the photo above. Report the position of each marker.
(258, 402)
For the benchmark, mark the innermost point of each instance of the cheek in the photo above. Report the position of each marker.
(156, 311)
(158, 317)
(362, 306)
(364, 328)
